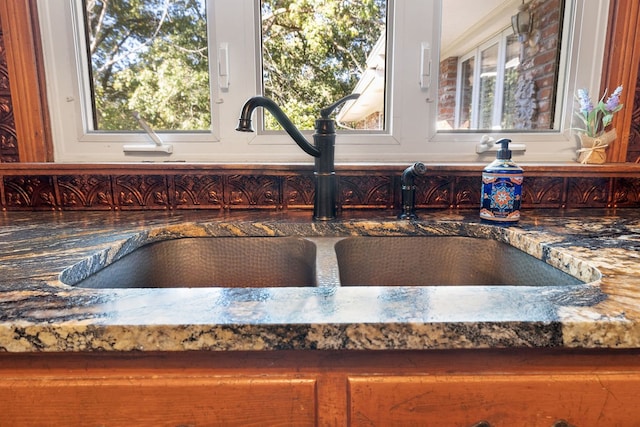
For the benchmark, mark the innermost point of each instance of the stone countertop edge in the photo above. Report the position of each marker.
(38, 313)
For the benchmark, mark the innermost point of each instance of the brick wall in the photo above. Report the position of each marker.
(540, 61)
(447, 91)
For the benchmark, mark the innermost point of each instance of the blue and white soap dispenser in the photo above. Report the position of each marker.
(501, 188)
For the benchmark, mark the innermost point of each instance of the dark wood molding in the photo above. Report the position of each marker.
(564, 169)
(621, 62)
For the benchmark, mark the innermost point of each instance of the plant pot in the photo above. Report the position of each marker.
(594, 148)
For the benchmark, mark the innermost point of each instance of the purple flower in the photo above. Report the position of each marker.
(614, 100)
(586, 106)
(596, 118)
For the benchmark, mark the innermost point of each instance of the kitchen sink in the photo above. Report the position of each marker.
(299, 261)
(207, 262)
(441, 261)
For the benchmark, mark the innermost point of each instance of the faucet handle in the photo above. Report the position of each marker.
(409, 190)
(325, 112)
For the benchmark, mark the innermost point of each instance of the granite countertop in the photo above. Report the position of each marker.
(39, 313)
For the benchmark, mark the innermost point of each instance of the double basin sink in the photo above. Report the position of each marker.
(320, 261)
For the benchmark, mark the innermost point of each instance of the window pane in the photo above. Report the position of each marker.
(512, 62)
(314, 52)
(466, 93)
(488, 75)
(149, 56)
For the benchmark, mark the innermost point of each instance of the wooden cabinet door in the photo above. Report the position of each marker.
(158, 400)
(500, 400)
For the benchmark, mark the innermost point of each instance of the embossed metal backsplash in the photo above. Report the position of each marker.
(275, 191)
(8, 138)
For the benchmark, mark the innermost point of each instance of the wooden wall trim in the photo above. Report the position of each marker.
(23, 62)
(621, 62)
(552, 170)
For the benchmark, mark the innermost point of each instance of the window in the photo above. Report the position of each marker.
(153, 58)
(318, 52)
(401, 127)
(491, 105)
(155, 62)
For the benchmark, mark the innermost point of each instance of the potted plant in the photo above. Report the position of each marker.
(594, 136)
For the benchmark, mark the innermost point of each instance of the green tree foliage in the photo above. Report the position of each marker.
(151, 56)
(314, 51)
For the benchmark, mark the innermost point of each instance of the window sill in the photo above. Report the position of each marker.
(560, 168)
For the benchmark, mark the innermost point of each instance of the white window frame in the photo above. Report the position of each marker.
(409, 137)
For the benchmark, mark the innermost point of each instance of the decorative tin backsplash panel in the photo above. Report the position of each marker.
(8, 138)
(197, 192)
(435, 191)
(298, 191)
(29, 193)
(277, 191)
(589, 193)
(367, 191)
(466, 191)
(252, 191)
(626, 192)
(544, 192)
(77, 192)
(141, 192)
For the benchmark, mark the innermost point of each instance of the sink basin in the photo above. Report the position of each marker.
(251, 262)
(207, 262)
(441, 260)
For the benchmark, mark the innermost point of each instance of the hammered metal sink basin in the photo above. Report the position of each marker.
(209, 262)
(441, 261)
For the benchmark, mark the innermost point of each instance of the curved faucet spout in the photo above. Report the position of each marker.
(244, 124)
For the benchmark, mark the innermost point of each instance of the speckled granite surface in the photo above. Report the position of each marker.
(39, 313)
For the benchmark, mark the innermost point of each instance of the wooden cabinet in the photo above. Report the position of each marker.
(497, 400)
(129, 399)
(334, 388)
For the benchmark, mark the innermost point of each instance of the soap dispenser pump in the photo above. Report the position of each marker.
(501, 188)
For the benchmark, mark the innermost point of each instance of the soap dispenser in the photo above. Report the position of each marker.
(501, 188)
